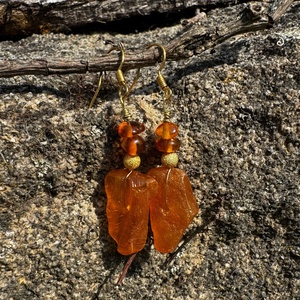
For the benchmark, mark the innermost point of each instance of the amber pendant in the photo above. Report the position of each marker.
(173, 209)
(129, 194)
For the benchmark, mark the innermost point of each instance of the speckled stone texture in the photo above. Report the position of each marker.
(238, 113)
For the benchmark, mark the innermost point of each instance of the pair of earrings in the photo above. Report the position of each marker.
(164, 193)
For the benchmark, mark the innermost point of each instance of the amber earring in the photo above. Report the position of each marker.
(129, 192)
(175, 206)
(165, 192)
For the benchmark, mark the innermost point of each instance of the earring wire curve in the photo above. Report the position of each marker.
(167, 92)
(124, 90)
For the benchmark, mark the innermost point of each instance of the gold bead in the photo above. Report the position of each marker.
(131, 162)
(169, 160)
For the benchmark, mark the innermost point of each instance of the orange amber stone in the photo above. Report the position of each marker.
(127, 130)
(167, 146)
(173, 209)
(128, 196)
(134, 145)
(137, 127)
(167, 130)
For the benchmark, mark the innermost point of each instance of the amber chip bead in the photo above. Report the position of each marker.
(173, 209)
(167, 130)
(167, 146)
(129, 194)
(134, 145)
(129, 129)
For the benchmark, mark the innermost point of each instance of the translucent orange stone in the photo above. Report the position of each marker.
(173, 209)
(128, 129)
(167, 146)
(128, 198)
(167, 130)
(134, 145)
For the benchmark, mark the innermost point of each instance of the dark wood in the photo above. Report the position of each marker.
(193, 40)
(19, 18)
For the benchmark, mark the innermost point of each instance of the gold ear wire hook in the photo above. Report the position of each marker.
(120, 74)
(164, 54)
(124, 91)
(97, 91)
(162, 83)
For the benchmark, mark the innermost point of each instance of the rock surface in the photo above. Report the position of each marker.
(238, 109)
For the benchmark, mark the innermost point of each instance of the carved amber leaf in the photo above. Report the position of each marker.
(128, 200)
(173, 209)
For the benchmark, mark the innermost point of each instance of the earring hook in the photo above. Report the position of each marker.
(97, 91)
(164, 54)
(123, 88)
(118, 47)
(162, 83)
(124, 91)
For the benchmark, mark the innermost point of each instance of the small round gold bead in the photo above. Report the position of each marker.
(131, 162)
(169, 159)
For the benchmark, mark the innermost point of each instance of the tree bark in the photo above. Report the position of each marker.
(193, 40)
(21, 18)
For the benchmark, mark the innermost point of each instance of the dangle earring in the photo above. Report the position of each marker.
(175, 205)
(129, 192)
(165, 193)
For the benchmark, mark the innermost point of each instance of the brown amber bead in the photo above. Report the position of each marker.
(167, 130)
(137, 127)
(173, 209)
(128, 199)
(129, 129)
(134, 145)
(167, 146)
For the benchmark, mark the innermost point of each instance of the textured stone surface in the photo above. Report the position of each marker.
(238, 113)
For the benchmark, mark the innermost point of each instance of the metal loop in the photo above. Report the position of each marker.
(167, 92)
(164, 54)
(124, 90)
(97, 91)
